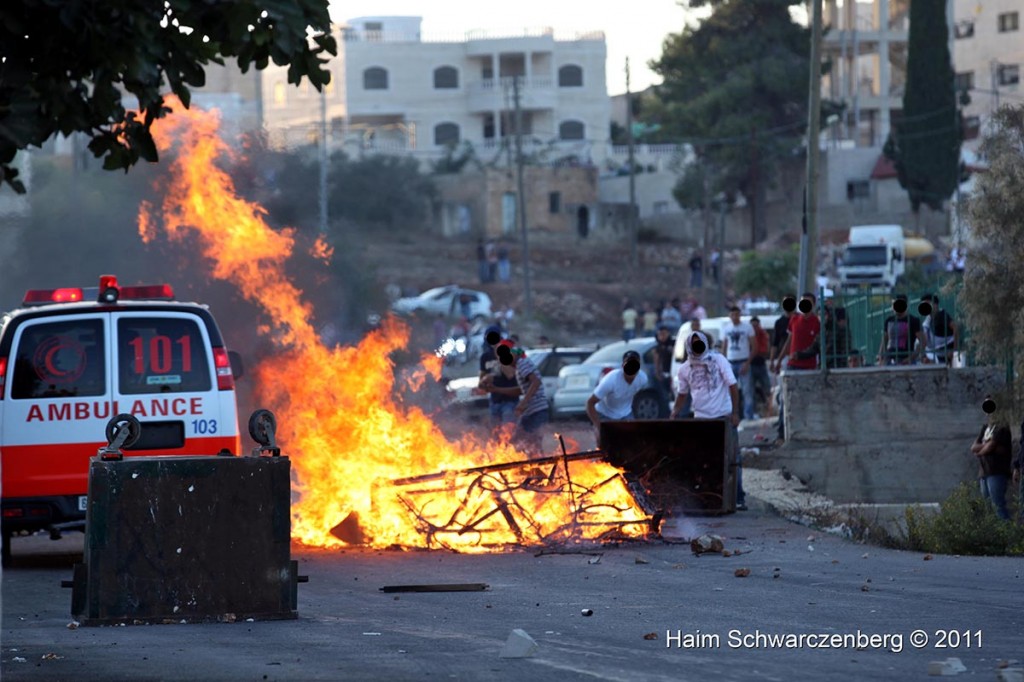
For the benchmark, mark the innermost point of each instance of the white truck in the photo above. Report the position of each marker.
(875, 257)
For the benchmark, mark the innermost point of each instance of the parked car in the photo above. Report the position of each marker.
(577, 383)
(447, 301)
(463, 392)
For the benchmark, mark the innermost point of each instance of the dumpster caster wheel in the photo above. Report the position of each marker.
(119, 424)
(262, 426)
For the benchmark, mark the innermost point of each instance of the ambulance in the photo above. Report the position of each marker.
(71, 359)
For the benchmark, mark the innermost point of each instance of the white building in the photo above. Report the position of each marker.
(867, 45)
(394, 89)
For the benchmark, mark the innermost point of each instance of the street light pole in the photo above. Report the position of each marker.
(809, 238)
(323, 159)
(632, 179)
(521, 195)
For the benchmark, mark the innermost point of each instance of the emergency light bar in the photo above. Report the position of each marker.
(107, 292)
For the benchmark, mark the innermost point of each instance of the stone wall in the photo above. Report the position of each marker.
(883, 435)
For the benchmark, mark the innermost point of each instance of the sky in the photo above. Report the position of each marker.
(633, 29)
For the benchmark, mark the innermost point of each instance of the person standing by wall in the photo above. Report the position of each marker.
(993, 447)
(801, 345)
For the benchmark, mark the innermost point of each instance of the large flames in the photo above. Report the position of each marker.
(367, 466)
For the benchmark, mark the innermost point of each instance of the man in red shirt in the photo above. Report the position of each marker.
(804, 328)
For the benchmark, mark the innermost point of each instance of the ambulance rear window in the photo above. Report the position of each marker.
(60, 360)
(161, 355)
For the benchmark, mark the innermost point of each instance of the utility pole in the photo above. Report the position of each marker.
(632, 179)
(809, 238)
(521, 208)
(323, 160)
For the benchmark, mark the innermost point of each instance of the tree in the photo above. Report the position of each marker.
(925, 144)
(736, 86)
(381, 191)
(993, 293)
(67, 63)
(768, 274)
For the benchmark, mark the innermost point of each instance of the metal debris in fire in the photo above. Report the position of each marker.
(551, 501)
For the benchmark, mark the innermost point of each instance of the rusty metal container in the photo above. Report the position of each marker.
(685, 465)
(186, 539)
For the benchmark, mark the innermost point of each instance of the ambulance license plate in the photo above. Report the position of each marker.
(83, 502)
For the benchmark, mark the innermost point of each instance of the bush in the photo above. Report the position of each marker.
(966, 524)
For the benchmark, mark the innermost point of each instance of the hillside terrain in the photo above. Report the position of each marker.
(577, 286)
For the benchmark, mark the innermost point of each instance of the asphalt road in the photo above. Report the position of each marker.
(659, 613)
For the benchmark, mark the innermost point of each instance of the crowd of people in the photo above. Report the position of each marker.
(643, 320)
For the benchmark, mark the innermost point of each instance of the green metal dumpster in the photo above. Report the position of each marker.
(186, 539)
(685, 465)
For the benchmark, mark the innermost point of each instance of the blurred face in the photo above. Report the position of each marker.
(734, 315)
(756, 324)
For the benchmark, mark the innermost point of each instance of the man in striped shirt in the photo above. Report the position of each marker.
(532, 410)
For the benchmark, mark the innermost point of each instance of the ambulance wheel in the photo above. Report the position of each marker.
(262, 426)
(124, 421)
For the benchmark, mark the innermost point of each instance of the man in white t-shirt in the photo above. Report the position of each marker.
(613, 397)
(737, 342)
(708, 377)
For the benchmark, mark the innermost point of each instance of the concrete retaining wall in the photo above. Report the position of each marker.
(877, 435)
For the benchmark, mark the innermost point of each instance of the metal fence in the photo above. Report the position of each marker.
(853, 328)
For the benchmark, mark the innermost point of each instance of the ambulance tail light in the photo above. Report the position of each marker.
(3, 375)
(44, 296)
(221, 361)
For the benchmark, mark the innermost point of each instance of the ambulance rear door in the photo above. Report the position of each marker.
(168, 376)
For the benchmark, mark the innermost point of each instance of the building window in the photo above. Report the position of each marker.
(1009, 21)
(964, 81)
(374, 31)
(446, 78)
(1008, 74)
(279, 94)
(857, 189)
(963, 28)
(570, 130)
(660, 207)
(446, 134)
(570, 76)
(375, 78)
(554, 202)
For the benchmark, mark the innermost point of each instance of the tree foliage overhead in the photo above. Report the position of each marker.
(993, 295)
(67, 63)
(925, 145)
(736, 86)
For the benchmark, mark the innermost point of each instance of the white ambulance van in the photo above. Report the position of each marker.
(73, 358)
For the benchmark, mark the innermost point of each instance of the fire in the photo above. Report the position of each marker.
(371, 468)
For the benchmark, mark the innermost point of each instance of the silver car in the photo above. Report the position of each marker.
(450, 301)
(577, 383)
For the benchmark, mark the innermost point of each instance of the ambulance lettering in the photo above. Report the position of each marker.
(102, 409)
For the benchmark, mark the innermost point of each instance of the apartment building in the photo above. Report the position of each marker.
(397, 90)
(867, 46)
(988, 55)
